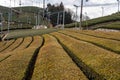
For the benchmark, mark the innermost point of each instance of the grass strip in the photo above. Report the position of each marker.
(29, 32)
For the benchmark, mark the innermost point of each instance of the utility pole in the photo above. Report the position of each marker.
(81, 14)
(20, 6)
(43, 10)
(58, 18)
(8, 21)
(9, 16)
(49, 16)
(14, 3)
(86, 20)
(1, 25)
(32, 3)
(36, 20)
(118, 5)
(76, 15)
(102, 11)
(63, 19)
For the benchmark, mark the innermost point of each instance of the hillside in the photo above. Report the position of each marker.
(22, 17)
(60, 55)
(110, 21)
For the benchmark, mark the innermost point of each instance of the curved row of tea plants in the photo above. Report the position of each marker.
(108, 44)
(7, 51)
(16, 65)
(100, 34)
(103, 62)
(53, 63)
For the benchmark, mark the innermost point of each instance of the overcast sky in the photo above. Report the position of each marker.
(91, 7)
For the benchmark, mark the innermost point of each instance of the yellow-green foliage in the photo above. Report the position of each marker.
(7, 51)
(25, 43)
(53, 63)
(7, 44)
(106, 43)
(37, 41)
(100, 60)
(104, 34)
(14, 45)
(15, 65)
(2, 43)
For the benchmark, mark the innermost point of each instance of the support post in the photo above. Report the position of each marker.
(80, 26)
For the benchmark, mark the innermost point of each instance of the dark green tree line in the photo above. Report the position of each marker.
(52, 14)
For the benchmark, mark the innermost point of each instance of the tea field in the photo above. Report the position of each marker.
(60, 55)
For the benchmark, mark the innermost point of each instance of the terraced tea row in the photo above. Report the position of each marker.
(18, 44)
(14, 45)
(53, 63)
(100, 34)
(26, 43)
(98, 60)
(63, 55)
(2, 43)
(16, 65)
(108, 44)
(7, 45)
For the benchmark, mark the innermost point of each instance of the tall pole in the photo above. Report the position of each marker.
(20, 6)
(102, 11)
(81, 14)
(1, 21)
(43, 10)
(9, 16)
(10, 12)
(118, 5)
(86, 20)
(76, 15)
(8, 21)
(58, 18)
(14, 3)
(63, 19)
(39, 20)
(36, 20)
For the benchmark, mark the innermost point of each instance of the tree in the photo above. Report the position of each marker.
(54, 9)
(61, 6)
